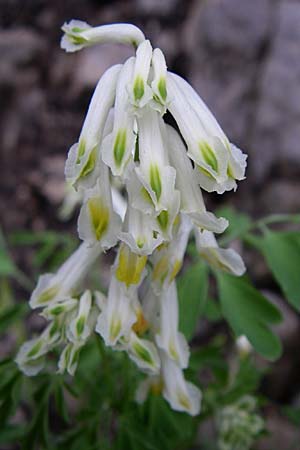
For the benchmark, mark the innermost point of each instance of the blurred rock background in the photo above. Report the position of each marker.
(242, 56)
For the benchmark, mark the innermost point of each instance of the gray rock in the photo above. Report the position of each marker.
(281, 196)
(277, 130)
(92, 63)
(224, 39)
(156, 7)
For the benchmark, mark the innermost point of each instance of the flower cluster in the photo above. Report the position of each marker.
(140, 181)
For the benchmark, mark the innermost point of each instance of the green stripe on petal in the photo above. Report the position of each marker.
(48, 294)
(80, 325)
(208, 155)
(115, 328)
(162, 88)
(142, 353)
(81, 151)
(155, 180)
(99, 215)
(119, 147)
(35, 349)
(163, 220)
(89, 164)
(138, 88)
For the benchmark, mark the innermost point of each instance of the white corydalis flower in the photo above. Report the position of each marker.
(118, 147)
(79, 329)
(119, 202)
(97, 221)
(218, 163)
(159, 83)
(130, 266)
(237, 160)
(206, 150)
(139, 234)
(83, 157)
(118, 314)
(167, 259)
(69, 358)
(169, 338)
(190, 194)
(139, 91)
(31, 355)
(155, 173)
(63, 306)
(79, 34)
(144, 353)
(227, 259)
(179, 393)
(52, 288)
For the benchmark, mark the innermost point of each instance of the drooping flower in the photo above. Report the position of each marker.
(83, 157)
(79, 34)
(52, 288)
(169, 338)
(227, 259)
(139, 181)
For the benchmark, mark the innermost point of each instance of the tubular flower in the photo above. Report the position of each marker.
(139, 183)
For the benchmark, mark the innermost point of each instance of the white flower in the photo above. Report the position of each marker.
(169, 338)
(139, 91)
(139, 234)
(154, 171)
(190, 194)
(31, 355)
(69, 358)
(52, 288)
(61, 307)
(130, 266)
(79, 34)
(97, 221)
(78, 328)
(118, 147)
(119, 203)
(143, 353)
(181, 394)
(167, 259)
(218, 163)
(83, 157)
(159, 83)
(219, 258)
(118, 315)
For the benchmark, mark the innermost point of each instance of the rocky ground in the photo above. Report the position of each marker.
(242, 57)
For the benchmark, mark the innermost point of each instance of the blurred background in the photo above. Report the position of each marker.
(241, 56)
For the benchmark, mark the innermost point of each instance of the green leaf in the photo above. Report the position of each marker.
(250, 313)
(192, 293)
(282, 253)
(212, 311)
